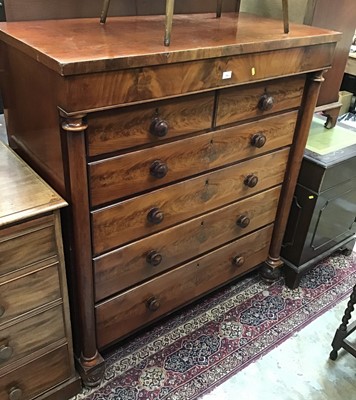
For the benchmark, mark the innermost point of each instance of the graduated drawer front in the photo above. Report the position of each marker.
(123, 128)
(22, 294)
(235, 104)
(134, 263)
(26, 243)
(37, 376)
(174, 79)
(134, 172)
(30, 335)
(119, 316)
(128, 220)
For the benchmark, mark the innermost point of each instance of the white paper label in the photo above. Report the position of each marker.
(227, 75)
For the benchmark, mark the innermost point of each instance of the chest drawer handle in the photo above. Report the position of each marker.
(2, 310)
(153, 304)
(5, 353)
(251, 180)
(155, 216)
(266, 102)
(158, 169)
(258, 140)
(238, 261)
(154, 258)
(243, 221)
(15, 394)
(159, 127)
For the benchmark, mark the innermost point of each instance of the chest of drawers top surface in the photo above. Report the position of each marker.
(84, 45)
(23, 193)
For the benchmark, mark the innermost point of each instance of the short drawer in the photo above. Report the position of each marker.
(238, 103)
(36, 377)
(27, 243)
(139, 261)
(149, 168)
(143, 215)
(30, 335)
(123, 128)
(27, 292)
(137, 307)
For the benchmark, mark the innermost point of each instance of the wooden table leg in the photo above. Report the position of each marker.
(218, 8)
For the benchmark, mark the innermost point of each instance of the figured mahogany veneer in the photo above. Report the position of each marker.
(179, 163)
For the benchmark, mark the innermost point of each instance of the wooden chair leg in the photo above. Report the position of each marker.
(104, 11)
(285, 16)
(218, 8)
(169, 21)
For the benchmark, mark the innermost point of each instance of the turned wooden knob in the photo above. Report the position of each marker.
(5, 353)
(154, 258)
(266, 102)
(251, 180)
(159, 127)
(153, 304)
(155, 216)
(238, 261)
(243, 221)
(158, 169)
(258, 140)
(2, 310)
(15, 394)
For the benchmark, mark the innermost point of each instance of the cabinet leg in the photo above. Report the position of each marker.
(270, 270)
(347, 249)
(91, 371)
(331, 117)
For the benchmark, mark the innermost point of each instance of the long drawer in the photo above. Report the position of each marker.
(26, 243)
(22, 294)
(37, 376)
(125, 313)
(141, 260)
(30, 335)
(150, 123)
(143, 215)
(259, 99)
(149, 168)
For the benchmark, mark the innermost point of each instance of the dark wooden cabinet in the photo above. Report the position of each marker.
(174, 161)
(323, 212)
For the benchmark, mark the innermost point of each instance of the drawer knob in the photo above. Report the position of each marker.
(243, 221)
(258, 140)
(251, 180)
(15, 394)
(5, 353)
(238, 261)
(154, 258)
(159, 127)
(266, 102)
(153, 304)
(2, 310)
(155, 216)
(158, 169)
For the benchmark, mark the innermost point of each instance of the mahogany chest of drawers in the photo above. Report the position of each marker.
(36, 352)
(179, 164)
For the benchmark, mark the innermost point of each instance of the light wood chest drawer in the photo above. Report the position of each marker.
(143, 215)
(26, 243)
(151, 123)
(147, 257)
(236, 104)
(131, 310)
(27, 292)
(31, 334)
(37, 376)
(153, 167)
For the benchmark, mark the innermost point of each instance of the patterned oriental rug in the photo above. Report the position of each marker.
(189, 353)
